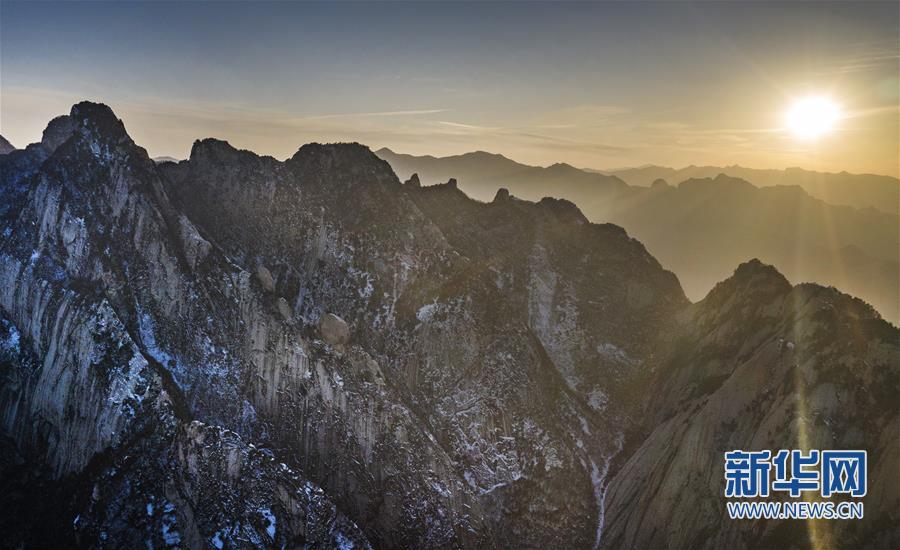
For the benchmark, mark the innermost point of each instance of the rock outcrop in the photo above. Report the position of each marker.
(334, 330)
(5, 146)
(413, 181)
(265, 278)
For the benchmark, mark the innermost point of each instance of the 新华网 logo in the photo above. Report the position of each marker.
(762, 474)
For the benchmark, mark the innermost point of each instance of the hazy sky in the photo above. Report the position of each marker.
(595, 85)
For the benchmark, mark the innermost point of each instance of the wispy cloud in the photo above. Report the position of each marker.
(469, 127)
(875, 57)
(585, 116)
(573, 144)
(412, 112)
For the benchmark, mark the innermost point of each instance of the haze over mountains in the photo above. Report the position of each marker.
(480, 174)
(700, 227)
(858, 190)
(234, 351)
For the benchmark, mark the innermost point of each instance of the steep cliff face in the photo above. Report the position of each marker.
(760, 364)
(233, 350)
(94, 260)
(596, 300)
(332, 231)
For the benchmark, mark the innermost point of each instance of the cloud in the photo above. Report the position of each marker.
(579, 116)
(472, 128)
(573, 144)
(374, 114)
(877, 57)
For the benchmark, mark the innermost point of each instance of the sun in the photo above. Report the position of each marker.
(812, 117)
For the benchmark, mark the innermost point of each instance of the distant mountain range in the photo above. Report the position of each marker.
(701, 227)
(480, 175)
(858, 190)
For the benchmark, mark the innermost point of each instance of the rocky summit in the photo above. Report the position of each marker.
(5, 146)
(235, 351)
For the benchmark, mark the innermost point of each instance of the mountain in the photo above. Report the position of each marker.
(481, 174)
(232, 351)
(5, 146)
(794, 367)
(102, 445)
(703, 227)
(856, 190)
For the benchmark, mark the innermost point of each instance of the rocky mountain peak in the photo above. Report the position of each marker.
(754, 285)
(320, 152)
(350, 161)
(96, 130)
(6, 146)
(755, 271)
(99, 120)
(413, 181)
(564, 211)
(57, 131)
(212, 150)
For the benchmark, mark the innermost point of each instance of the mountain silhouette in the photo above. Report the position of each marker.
(857, 190)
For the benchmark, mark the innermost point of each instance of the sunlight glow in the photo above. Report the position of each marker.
(812, 117)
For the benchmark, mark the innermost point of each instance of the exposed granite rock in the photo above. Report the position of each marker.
(421, 312)
(57, 132)
(5, 146)
(98, 285)
(413, 181)
(284, 309)
(195, 247)
(334, 330)
(760, 364)
(264, 276)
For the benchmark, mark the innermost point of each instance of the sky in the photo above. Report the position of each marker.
(595, 85)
